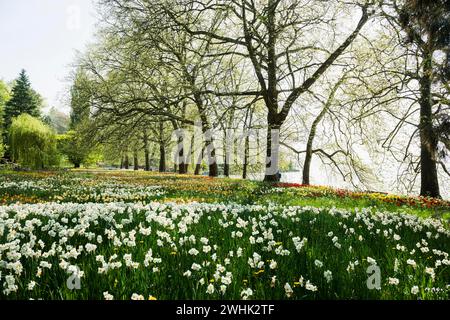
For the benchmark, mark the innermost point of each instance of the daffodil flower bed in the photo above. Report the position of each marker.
(398, 200)
(113, 186)
(74, 189)
(155, 250)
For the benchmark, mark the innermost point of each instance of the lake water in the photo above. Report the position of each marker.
(319, 178)
(294, 177)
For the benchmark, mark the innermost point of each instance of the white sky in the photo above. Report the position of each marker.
(42, 36)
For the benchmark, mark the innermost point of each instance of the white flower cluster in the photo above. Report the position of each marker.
(40, 239)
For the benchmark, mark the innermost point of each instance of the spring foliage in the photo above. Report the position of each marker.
(33, 144)
(4, 97)
(77, 151)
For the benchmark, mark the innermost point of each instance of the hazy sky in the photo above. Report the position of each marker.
(42, 36)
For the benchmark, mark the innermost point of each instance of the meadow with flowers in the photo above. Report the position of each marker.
(136, 235)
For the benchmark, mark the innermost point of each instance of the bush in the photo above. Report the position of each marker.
(77, 151)
(33, 144)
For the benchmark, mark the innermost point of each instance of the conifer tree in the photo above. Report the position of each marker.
(23, 100)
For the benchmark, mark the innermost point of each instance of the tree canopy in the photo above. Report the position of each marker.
(33, 144)
(354, 91)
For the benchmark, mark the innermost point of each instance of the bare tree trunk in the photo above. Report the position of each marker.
(235, 149)
(147, 160)
(198, 165)
(146, 152)
(247, 127)
(209, 146)
(226, 166)
(246, 153)
(162, 149)
(136, 160)
(429, 186)
(213, 167)
(162, 157)
(273, 147)
(181, 159)
(307, 164)
(312, 135)
(152, 156)
(190, 156)
(226, 154)
(197, 169)
(126, 161)
(182, 166)
(272, 173)
(229, 141)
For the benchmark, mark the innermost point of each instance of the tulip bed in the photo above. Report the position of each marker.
(136, 235)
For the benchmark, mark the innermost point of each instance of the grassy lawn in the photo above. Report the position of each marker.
(165, 236)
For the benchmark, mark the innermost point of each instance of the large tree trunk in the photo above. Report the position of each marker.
(229, 142)
(429, 186)
(190, 154)
(226, 168)
(198, 165)
(213, 167)
(312, 135)
(271, 99)
(246, 154)
(184, 169)
(152, 157)
(248, 127)
(210, 149)
(307, 164)
(126, 163)
(146, 152)
(211, 152)
(180, 158)
(182, 165)
(226, 154)
(162, 149)
(272, 173)
(147, 159)
(209, 145)
(135, 160)
(162, 157)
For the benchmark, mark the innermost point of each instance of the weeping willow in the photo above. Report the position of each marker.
(33, 144)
